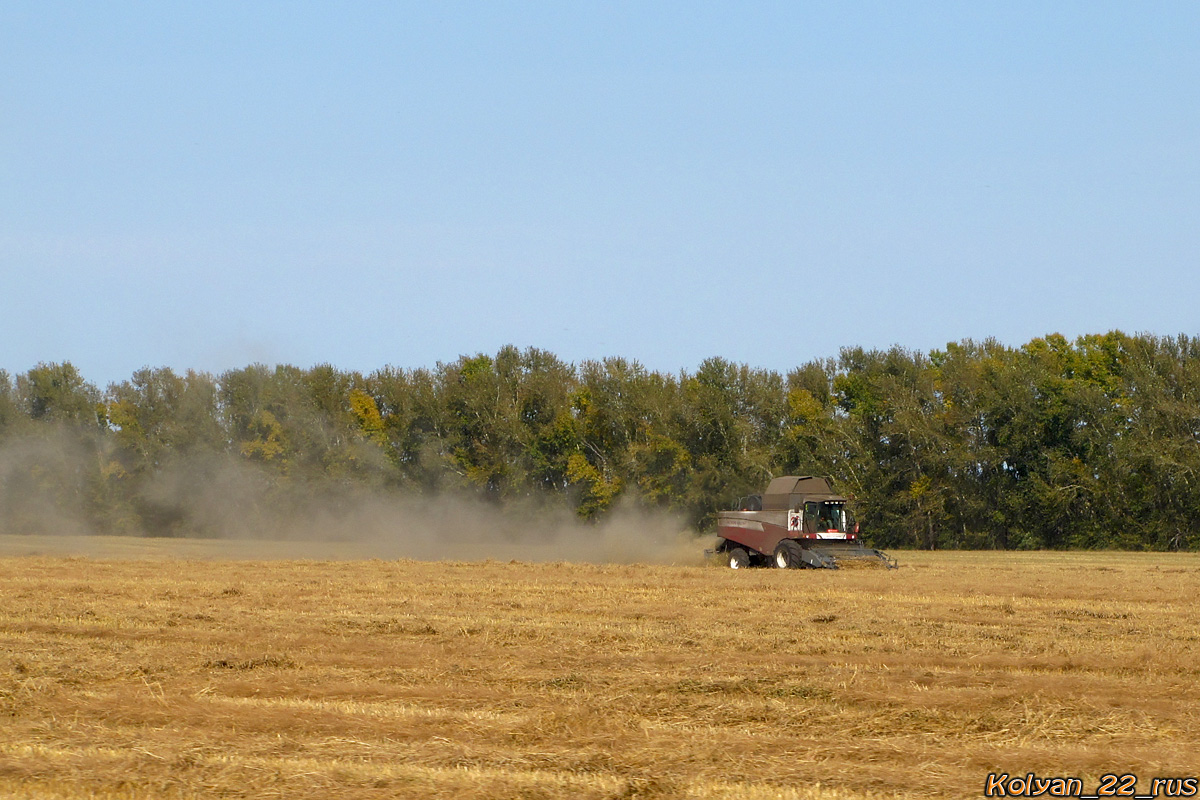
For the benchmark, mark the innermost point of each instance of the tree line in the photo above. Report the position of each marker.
(1054, 444)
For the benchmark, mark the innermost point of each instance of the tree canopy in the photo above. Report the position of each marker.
(1053, 444)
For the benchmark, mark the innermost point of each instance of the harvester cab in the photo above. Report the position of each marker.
(798, 522)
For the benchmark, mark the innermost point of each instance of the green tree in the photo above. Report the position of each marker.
(1157, 459)
(53, 467)
(507, 423)
(730, 421)
(416, 424)
(58, 393)
(162, 428)
(11, 417)
(623, 418)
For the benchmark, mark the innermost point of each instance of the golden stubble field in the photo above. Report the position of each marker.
(164, 672)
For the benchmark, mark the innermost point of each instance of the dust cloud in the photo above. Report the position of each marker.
(54, 499)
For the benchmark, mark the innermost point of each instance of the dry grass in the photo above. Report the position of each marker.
(152, 676)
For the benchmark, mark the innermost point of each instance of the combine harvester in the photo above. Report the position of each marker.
(798, 523)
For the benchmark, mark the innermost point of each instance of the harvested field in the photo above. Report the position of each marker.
(151, 675)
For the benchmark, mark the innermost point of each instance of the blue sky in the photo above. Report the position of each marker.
(206, 185)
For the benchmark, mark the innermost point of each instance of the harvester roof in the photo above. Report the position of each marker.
(783, 492)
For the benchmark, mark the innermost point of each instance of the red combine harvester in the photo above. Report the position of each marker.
(799, 522)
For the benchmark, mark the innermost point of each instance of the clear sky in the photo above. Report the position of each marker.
(207, 185)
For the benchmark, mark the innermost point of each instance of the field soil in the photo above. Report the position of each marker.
(159, 669)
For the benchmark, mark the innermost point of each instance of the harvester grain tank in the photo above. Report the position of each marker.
(798, 522)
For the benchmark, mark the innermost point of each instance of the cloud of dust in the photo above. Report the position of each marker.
(41, 485)
(469, 529)
(52, 487)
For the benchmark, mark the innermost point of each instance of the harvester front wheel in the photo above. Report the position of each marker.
(738, 558)
(787, 555)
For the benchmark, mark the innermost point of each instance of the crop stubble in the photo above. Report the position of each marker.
(155, 676)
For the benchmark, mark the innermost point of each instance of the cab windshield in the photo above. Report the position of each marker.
(831, 517)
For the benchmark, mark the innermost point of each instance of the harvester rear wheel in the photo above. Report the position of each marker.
(787, 555)
(738, 558)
